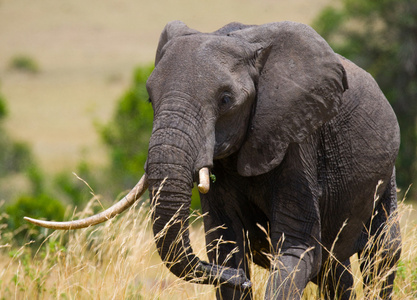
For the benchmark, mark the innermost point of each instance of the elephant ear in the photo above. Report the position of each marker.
(172, 30)
(300, 87)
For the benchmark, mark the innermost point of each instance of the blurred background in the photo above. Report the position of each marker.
(72, 94)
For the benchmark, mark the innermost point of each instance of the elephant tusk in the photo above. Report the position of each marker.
(204, 179)
(109, 213)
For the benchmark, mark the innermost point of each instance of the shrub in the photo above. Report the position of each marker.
(14, 156)
(78, 192)
(127, 134)
(42, 206)
(3, 107)
(24, 63)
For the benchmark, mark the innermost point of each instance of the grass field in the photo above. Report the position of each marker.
(86, 51)
(118, 260)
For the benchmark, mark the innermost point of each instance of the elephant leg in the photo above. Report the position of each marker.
(297, 256)
(226, 292)
(290, 273)
(226, 248)
(383, 249)
(335, 280)
(225, 239)
(295, 226)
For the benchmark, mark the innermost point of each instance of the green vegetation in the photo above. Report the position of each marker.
(76, 191)
(3, 108)
(380, 36)
(16, 159)
(40, 206)
(127, 133)
(24, 63)
(14, 156)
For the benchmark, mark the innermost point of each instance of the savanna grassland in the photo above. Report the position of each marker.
(82, 54)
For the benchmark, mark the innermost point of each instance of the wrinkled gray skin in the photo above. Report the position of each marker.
(298, 138)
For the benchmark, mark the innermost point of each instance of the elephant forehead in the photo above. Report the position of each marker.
(205, 50)
(191, 64)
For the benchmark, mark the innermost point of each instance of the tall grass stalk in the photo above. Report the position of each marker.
(118, 260)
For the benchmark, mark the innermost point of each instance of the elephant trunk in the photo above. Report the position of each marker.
(171, 207)
(170, 173)
(170, 225)
(172, 159)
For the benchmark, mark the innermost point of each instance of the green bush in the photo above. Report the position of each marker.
(24, 63)
(42, 206)
(128, 132)
(3, 107)
(77, 191)
(14, 156)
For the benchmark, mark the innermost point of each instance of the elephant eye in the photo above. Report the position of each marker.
(226, 99)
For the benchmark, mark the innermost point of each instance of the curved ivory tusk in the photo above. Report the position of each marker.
(204, 179)
(109, 213)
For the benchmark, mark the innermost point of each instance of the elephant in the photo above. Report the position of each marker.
(303, 145)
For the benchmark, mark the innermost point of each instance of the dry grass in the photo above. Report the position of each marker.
(118, 260)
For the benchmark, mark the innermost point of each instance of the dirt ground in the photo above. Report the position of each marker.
(86, 51)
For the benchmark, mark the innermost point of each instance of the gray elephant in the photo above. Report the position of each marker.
(301, 141)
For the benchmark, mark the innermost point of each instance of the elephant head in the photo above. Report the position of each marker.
(243, 90)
